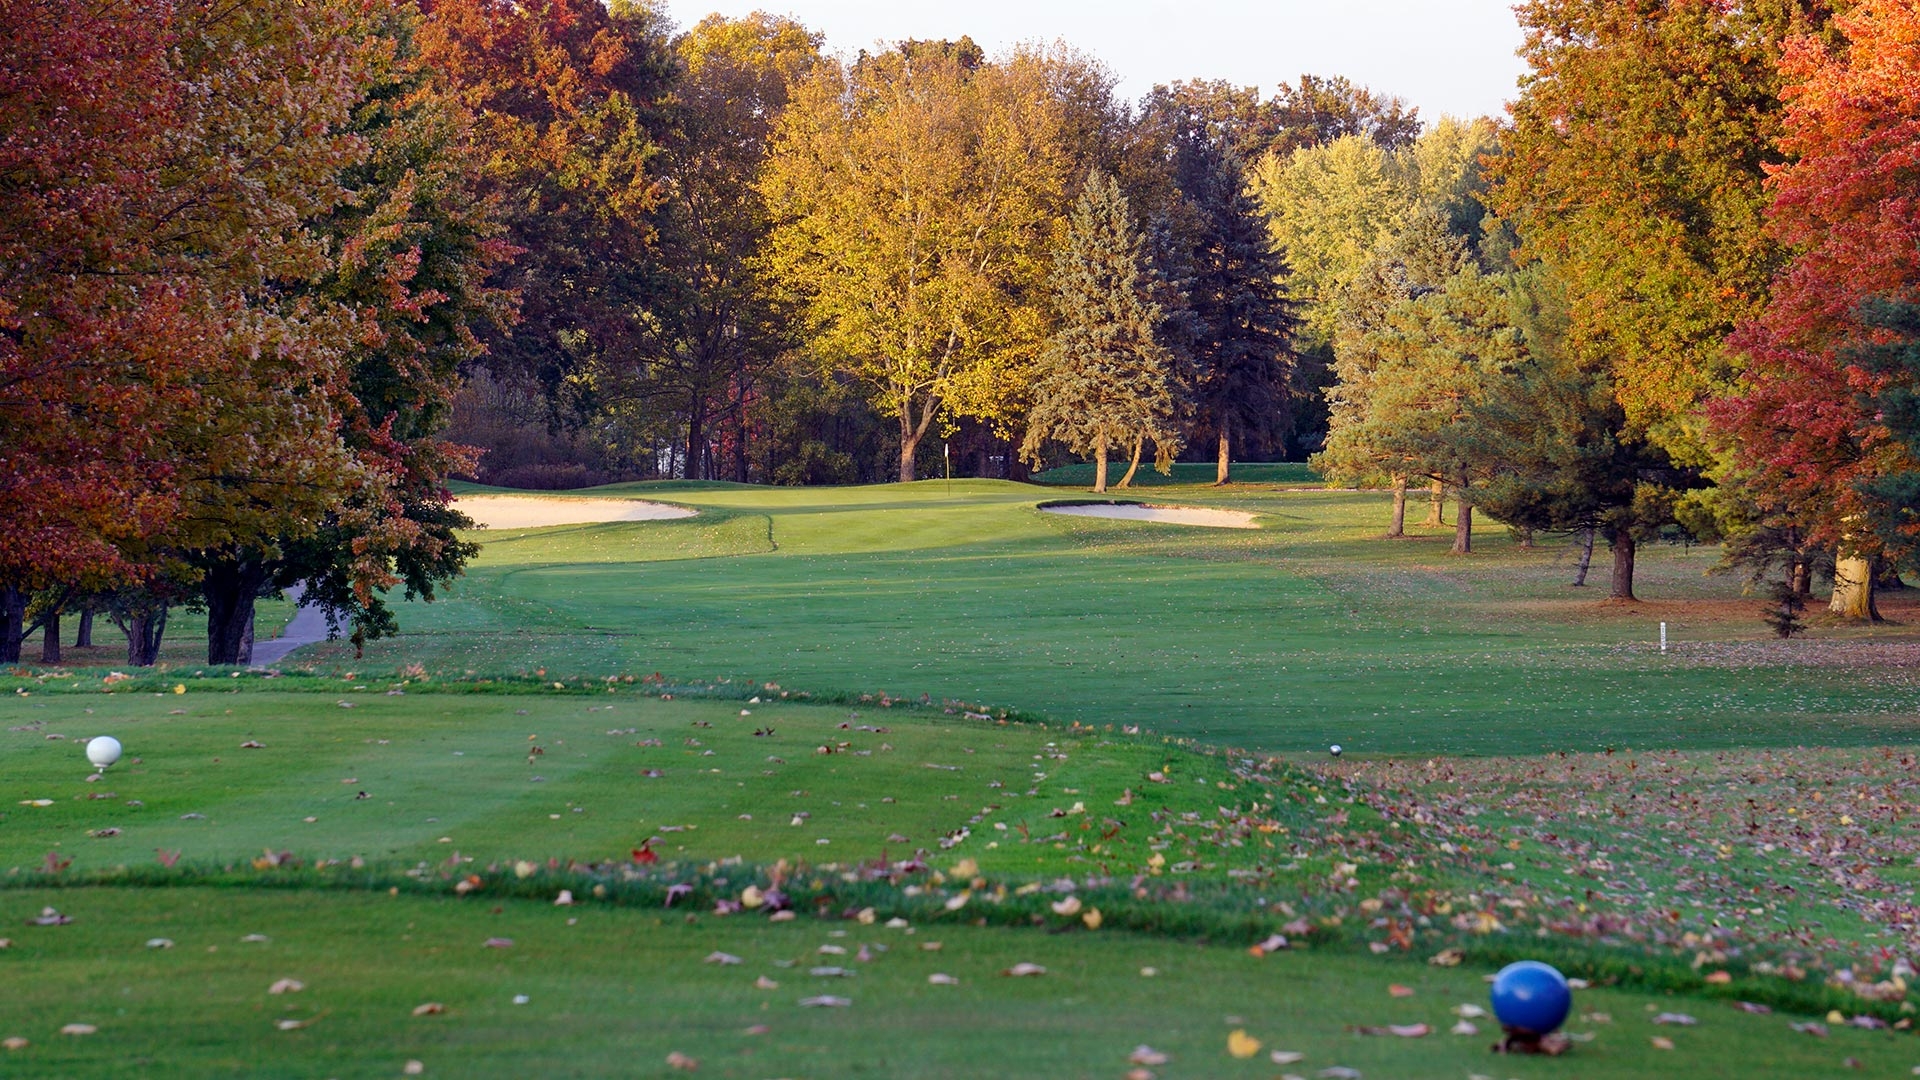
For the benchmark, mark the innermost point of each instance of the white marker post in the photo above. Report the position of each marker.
(1663, 637)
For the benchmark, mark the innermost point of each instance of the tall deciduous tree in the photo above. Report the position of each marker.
(415, 247)
(1808, 427)
(917, 194)
(1635, 167)
(1104, 378)
(201, 240)
(708, 328)
(568, 100)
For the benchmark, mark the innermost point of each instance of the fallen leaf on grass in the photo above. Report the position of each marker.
(1811, 1027)
(1469, 1011)
(1339, 1072)
(1750, 1007)
(413, 1068)
(50, 917)
(255, 939)
(825, 1001)
(252, 745)
(295, 1025)
(1146, 1055)
(497, 943)
(1405, 1031)
(678, 1060)
(938, 979)
(431, 1008)
(1661, 1042)
(764, 983)
(1465, 1027)
(78, 1029)
(1447, 958)
(1273, 944)
(1023, 969)
(287, 986)
(1242, 1045)
(1676, 1019)
(159, 943)
(721, 958)
(1398, 990)
(15, 1042)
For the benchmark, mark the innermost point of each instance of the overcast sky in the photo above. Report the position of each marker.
(1445, 56)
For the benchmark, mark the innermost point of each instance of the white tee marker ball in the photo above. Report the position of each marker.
(103, 751)
(1334, 749)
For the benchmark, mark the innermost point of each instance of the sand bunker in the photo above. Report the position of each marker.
(1173, 515)
(520, 512)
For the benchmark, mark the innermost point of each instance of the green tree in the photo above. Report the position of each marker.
(1235, 329)
(1105, 379)
(1418, 262)
(1434, 356)
(1554, 444)
(709, 328)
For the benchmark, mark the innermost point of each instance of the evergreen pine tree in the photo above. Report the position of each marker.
(1237, 329)
(1104, 378)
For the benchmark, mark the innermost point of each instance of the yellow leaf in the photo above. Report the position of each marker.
(1242, 1045)
(1092, 918)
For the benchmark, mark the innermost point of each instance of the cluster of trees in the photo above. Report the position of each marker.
(243, 250)
(270, 273)
(1689, 304)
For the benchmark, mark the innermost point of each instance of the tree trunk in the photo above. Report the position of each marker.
(1134, 465)
(1853, 589)
(1463, 525)
(230, 589)
(13, 614)
(696, 440)
(83, 638)
(1100, 464)
(1586, 557)
(1623, 552)
(1397, 525)
(909, 442)
(50, 638)
(1436, 506)
(740, 447)
(1224, 474)
(144, 629)
(1526, 538)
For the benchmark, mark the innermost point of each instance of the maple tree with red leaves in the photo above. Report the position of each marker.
(94, 360)
(1806, 428)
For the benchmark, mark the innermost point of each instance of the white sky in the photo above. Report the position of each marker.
(1445, 56)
